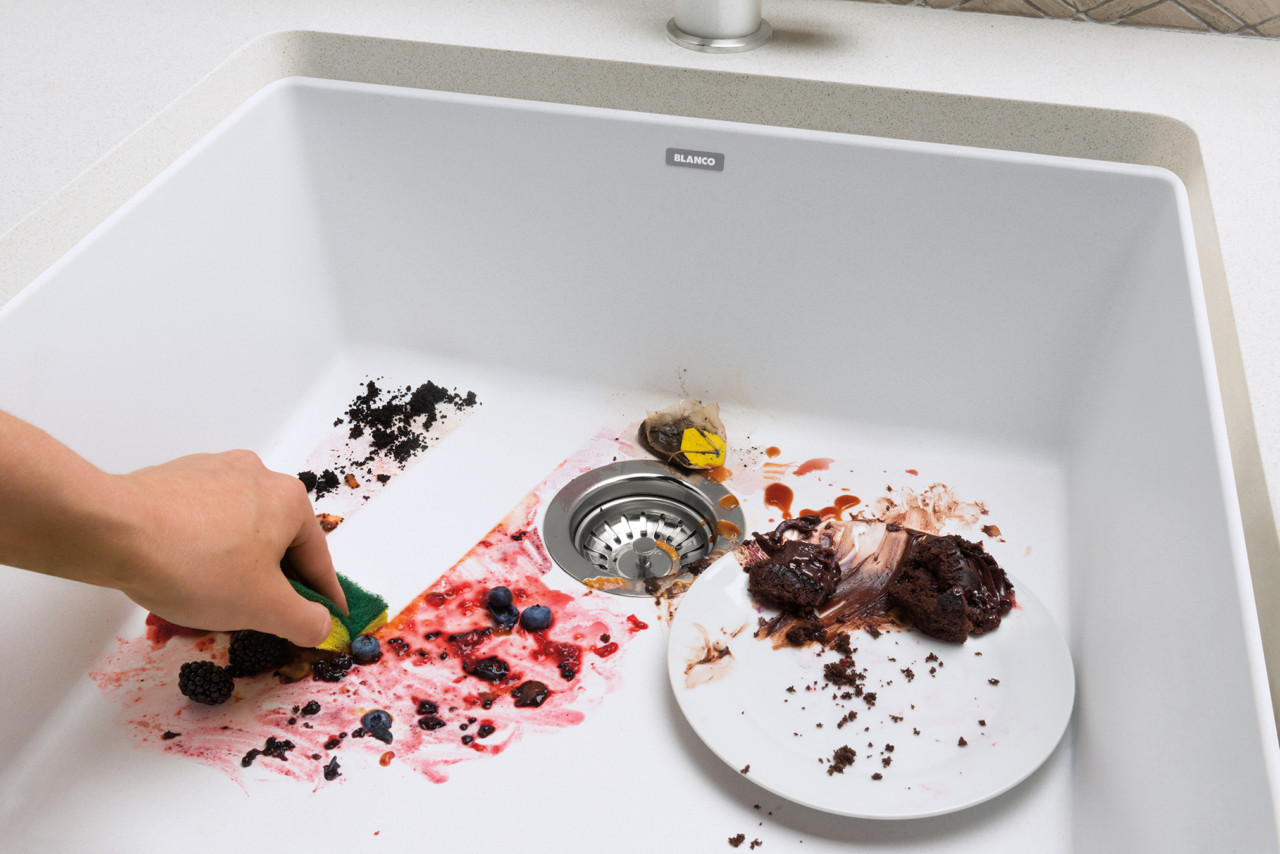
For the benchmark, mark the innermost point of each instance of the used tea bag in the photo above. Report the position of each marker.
(689, 434)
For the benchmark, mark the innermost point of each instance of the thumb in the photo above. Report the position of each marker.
(302, 623)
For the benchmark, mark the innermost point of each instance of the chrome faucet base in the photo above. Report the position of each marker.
(719, 45)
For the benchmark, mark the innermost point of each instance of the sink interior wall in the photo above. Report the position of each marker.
(958, 299)
(771, 277)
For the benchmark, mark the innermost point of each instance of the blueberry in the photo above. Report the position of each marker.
(505, 617)
(378, 724)
(365, 649)
(536, 618)
(499, 598)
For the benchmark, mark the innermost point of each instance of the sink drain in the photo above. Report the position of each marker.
(620, 525)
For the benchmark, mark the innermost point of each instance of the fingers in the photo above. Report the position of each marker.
(309, 558)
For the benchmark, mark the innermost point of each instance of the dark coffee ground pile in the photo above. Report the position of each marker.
(396, 423)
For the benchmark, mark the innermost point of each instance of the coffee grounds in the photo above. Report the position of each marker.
(395, 423)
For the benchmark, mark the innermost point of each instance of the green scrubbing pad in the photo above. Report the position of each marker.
(366, 612)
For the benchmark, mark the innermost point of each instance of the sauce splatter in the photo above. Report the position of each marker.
(720, 474)
(815, 464)
(780, 496)
(728, 530)
(837, 506)
(772, 451)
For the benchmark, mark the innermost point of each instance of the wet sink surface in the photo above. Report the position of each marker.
(905, 307)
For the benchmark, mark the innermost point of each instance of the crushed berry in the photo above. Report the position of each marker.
(530, 694)
(485, 731)
(491, 669)
(332, 669)
(426, 707)
(310, 709)
(430, 722)
(331, 771)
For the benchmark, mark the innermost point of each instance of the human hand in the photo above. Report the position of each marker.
(204, 543)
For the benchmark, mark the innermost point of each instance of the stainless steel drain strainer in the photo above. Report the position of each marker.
(620, 525)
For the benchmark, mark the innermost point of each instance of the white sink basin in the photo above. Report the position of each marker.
(1029, 329)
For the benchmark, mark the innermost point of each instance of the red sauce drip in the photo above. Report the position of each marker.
(836, 507)
(385, 759)
(720, 474)
(729, 502)
(606, 650)
(779, 495)
(772, 451)
(815, 464)
(728, 530)
(913, 472)
(637, 624)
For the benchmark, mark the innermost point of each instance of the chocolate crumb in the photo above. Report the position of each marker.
(841, 759)
(962, 742)
(744, 769)
(737, 840)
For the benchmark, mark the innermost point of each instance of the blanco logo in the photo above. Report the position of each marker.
(695, 159)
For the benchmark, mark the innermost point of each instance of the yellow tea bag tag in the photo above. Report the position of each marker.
(702, 449)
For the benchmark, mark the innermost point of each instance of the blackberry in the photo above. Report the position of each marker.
(254, 652)
(332, 669)
(205, 682)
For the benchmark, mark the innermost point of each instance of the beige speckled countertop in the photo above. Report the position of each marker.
(96, 98)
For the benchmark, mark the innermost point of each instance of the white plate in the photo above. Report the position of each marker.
(741, 708)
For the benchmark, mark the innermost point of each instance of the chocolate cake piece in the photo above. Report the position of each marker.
(951, 588)
(798, 577)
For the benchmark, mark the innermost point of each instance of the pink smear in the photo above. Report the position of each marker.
(425, 650)
(816, 464)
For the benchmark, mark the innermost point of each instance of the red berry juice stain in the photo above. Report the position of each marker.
(636, 624)
(421, 662)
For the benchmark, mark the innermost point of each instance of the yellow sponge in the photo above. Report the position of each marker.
(366, 612)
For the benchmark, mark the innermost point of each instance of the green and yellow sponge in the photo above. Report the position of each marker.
(366, 612)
